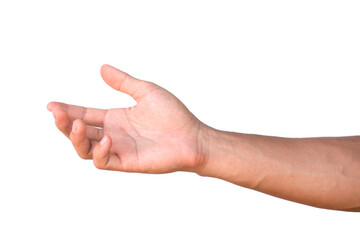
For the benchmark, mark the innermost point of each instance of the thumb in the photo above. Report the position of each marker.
(123, 82)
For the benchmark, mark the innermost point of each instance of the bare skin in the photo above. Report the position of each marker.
(160, 135)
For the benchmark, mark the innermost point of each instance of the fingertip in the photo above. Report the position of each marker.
(49, 106)
(103, 147)
(105, 144)
(62, 120)
(104, 141)
(58, 113)
(52, 105)
(101, 152)
(121, 81)
(79, 140)
(104, 71)
(78, 133)
(78, 127)
(105, 66)
(75, 127)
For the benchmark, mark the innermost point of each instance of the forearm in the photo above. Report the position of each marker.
(322, 172)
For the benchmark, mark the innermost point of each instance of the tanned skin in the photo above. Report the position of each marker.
(160, 135)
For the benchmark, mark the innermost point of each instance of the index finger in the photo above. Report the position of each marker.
(91, 116)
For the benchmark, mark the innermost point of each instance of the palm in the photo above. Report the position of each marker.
(157, 135)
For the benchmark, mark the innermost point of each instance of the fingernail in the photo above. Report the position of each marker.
(103, 140)
(75, 127)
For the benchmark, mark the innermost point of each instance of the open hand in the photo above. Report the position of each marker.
(157, 135)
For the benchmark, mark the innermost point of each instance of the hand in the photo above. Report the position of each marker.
(157, 135)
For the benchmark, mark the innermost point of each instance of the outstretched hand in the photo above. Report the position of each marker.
(157, 135)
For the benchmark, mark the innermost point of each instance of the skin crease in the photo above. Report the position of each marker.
(160, 135)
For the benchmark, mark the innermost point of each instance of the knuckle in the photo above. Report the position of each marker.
(83, 113)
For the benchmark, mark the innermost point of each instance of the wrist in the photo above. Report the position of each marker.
(228, 156)
(214, 148)
(211, 143)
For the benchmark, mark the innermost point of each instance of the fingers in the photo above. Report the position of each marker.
(62, 121)
(91, 116)
(94, 133)
(101, 153)
(85, 139)
(123, 82)
(64, 124)
(82, 144)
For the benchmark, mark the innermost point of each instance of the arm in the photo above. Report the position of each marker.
(160, 135)
(321, 172)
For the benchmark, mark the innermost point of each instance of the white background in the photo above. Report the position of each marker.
(284, 68)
